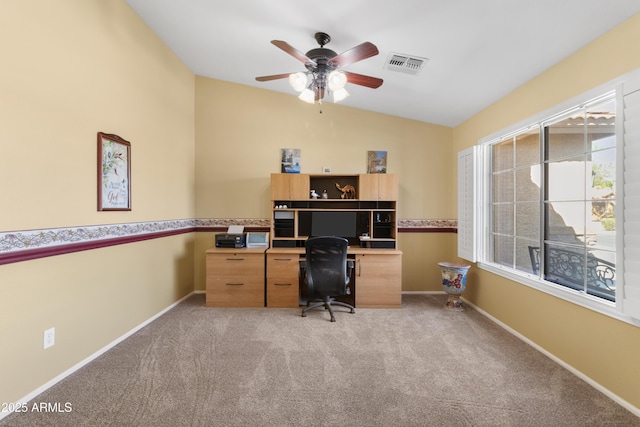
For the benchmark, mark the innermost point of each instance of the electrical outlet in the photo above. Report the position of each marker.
(49, 337)
(326, 169)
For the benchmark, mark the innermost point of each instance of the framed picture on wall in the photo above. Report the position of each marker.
(290, 162)
(114, 173)
(376, 162)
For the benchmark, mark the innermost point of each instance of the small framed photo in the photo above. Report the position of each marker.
(290, 162)
(376, 162)
(114, 173)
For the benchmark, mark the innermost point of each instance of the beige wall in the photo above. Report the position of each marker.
(74, 68)
(91, 298)
(602, 348)
(420, 257)
(69, 70)
(240, 132)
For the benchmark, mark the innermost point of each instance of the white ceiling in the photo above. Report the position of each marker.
(478, 50)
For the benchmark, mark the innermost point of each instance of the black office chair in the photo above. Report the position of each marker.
(327, 273)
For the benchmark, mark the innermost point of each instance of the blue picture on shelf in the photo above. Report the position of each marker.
(290, 162)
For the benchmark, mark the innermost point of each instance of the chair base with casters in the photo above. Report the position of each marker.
(327, 303)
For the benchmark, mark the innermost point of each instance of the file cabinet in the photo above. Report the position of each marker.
(235, 277)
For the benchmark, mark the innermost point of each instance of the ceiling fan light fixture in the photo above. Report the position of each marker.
(307, 95)
(340, 94)
(298, 81)
(336, 80)
(322, 76)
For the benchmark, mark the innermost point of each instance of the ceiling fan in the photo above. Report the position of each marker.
(323, 69)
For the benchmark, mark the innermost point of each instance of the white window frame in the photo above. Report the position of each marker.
(483, 214)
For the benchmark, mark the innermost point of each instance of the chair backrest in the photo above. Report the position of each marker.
(326, 266)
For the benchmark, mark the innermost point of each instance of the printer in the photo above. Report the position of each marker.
(227, 240)
(233, 238)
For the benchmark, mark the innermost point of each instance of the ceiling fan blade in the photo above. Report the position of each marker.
(362, 80)
(274, 77)
(292, 51)
(355, 54)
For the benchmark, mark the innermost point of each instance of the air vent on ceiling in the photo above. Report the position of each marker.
(405, 63)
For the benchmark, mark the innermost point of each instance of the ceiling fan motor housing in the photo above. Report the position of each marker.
(321, 57)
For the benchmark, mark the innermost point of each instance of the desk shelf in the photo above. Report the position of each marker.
(374, 209)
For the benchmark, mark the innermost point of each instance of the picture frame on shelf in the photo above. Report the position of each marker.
(114, 173)
(376, 162)
(290, 160)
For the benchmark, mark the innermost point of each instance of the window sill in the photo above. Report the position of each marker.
(596, 304)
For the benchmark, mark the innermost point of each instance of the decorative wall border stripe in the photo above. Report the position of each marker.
(28, 239)
(25, 245)
(42, 252)
(16, 246)
(427, 230)
(203, 223)
(427, 226)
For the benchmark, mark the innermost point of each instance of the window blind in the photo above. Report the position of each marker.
(631, 243)
(467, 204)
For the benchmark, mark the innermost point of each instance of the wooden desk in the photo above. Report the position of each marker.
(236, 277)
(378, 275)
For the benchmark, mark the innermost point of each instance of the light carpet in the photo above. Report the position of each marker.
(417, 366)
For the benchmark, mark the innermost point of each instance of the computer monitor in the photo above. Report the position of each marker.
(333, 223)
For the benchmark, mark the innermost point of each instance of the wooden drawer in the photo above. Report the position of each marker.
(235, 279)
(282, 265)
(283, 292)
(237, 264)
(235, 291)
(282, 280)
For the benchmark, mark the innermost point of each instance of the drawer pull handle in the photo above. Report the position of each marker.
(282, 284)
(235, 284)
(282, 259)
(235, 259)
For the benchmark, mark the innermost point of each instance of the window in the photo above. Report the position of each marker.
(515, 199)
(579, 200)
(553, 195)
(555, 201)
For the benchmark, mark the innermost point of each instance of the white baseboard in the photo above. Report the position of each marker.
(94, 356)
(422, 292)
(633, 409)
